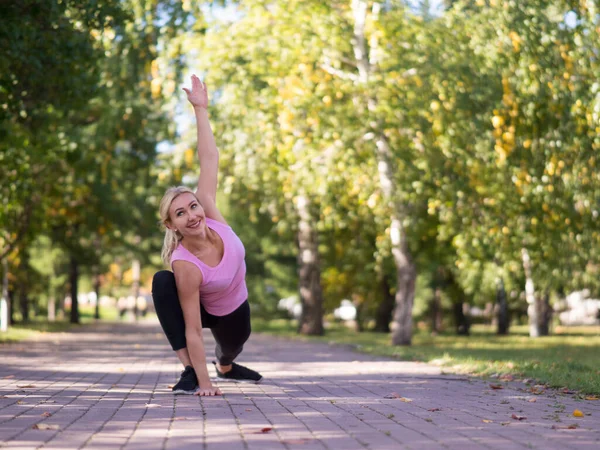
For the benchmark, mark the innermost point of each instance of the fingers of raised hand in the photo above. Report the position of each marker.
(197, 85)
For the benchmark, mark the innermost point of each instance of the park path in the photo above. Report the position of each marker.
(107, 387)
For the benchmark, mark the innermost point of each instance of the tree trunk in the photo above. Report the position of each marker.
(532, 303)
(385, 309)
(4, 300)
(74, 279)
(366, 62)
(434, 311)
(461, 318)
(23, 288)
(97, 291)
(24, 303)
(11, 306)
(502, 316)
(359, 320)
(311, 296)
(60, 304)
(51, 305)
(545, 316)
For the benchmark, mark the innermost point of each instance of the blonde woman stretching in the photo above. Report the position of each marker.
(207, 288)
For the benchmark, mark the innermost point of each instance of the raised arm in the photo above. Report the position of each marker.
(188, 280)
(208, 154)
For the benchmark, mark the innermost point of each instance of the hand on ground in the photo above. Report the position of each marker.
(208, 391)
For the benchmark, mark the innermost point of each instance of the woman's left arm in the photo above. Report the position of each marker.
(208, 154)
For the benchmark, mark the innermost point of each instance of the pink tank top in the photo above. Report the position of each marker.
(223, 287)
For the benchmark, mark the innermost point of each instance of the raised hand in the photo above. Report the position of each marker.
(197, 96)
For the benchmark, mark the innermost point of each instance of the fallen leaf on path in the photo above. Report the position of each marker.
(20, 402)
(266, 429)
(405, 400)
(45, 426)
(393, 395)
(592, 397)
(578, 413)
(532, 400)
(248, 409)
(507, 377)
(573, 426)
(152, 405)
(514, 416)
(567, 391)
(434, 409)
(487, 421)
(25, 386)
(46, 414)
(496, 386)
(7, 377)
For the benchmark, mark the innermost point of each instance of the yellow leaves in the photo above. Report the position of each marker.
(516, 41)
(433, 205)
(508, 137)
(578, 413)
(188, 157)
(154, 69)
(435, 106)
(327, 100)
(505, 230)
(592, 397)
(285, 119)
(155, 87)
(497, 121)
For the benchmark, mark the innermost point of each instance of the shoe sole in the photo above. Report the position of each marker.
(229, 380)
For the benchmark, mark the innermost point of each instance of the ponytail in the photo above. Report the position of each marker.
(169, 245)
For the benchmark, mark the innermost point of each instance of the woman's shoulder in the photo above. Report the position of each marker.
(187, 273)
(212, 223)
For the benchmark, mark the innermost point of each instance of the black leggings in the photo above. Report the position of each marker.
(230, 331)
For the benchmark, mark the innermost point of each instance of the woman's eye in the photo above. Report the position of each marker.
(179, 214)
(194, 206)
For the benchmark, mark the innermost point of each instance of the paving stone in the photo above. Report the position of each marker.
(108, 386)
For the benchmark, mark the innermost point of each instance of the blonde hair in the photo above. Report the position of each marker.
(172, 237)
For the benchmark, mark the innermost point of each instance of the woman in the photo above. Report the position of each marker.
(207, 287)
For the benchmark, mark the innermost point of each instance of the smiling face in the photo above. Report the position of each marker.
(186, 215)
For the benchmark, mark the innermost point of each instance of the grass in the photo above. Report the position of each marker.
(570, 358)
(39, 325)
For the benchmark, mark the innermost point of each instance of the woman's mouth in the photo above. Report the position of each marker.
(195, 224)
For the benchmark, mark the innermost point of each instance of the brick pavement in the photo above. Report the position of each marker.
(107, 387)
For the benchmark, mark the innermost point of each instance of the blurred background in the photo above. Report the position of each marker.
(391, 166)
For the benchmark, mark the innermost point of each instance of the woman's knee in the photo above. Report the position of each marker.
(163, 285)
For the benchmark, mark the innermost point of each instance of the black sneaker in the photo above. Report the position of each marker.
(188, 383)
(238, 374)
